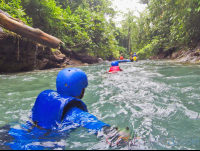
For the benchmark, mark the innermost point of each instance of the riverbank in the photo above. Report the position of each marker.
(21, 54)
(187, 56)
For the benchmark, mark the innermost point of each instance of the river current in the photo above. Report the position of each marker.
(158, 100)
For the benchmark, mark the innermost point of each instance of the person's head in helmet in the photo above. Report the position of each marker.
(72, 82)
(131, 53)
(121, 57)
(114, 63)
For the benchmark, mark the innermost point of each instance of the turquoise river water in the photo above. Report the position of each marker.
(158, 100)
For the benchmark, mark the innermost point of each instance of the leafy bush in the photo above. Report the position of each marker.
(149, 49)
(15, 10)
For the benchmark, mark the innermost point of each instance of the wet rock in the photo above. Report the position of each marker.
(100, 60)
(197, 53)
(194, 59)
(83, 57)
(20, 54)
(15, 58)
(47, 53)
(174, 55)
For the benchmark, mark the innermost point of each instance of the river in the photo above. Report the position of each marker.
(158, 100)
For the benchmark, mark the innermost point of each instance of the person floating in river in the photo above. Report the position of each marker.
(114, 67)
(131, 57)
(53, 109)
(60, 111)
(121, 57)
(135, 58)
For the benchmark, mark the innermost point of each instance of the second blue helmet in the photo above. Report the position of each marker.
(114, 63)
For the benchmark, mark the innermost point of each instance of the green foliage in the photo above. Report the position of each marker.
(165, 25)
(80, 24)
(149, 49)
(15, 10)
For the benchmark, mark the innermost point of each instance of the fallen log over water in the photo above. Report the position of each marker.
(28, 32)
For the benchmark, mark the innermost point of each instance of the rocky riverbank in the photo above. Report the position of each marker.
(191, 56)
(21, 54)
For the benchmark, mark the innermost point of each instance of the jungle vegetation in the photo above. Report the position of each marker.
(165, 26)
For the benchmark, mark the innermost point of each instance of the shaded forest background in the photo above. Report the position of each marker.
(164, 27)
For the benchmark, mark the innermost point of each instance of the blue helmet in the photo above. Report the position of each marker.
(134, 53)
(71, 81)
(114, 63)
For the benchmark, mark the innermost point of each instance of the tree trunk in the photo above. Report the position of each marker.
(29, 32)
(129, 39)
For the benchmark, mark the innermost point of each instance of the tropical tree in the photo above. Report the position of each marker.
(80, 24)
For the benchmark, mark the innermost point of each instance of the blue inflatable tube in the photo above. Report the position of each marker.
(128, 60)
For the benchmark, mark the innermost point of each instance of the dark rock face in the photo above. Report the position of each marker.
(19, 54)
(16, 54)
(82, 57)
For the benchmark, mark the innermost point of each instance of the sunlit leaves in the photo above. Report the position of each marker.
(15, 10)
(175, 22)
(189, 9)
